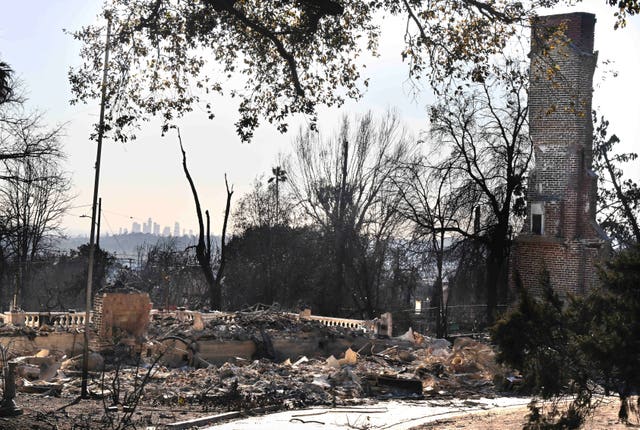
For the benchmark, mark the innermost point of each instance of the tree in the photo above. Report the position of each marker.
(171, 276)
(578, 348)
(345, 186)
(607, 328)
(485, 131)
(65, 276)
(299, 271)
(203, 248)
(34, 195)
(293, 55)
(618, 197)
(279, 175)
(431, 203)
(258, 208)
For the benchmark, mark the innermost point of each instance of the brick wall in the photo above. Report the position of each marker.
(560, 93)
(121, 313)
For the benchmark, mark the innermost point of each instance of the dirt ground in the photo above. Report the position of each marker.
(605, 418)
(41, 413)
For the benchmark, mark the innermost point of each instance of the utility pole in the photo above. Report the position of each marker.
(85, 351)
(99, 218)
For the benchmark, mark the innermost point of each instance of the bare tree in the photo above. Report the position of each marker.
(437, 213)
(618, 196)
(485, 130)
(203, 247)
(34, 195)
(345, 186)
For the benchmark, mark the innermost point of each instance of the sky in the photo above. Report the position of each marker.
(144, 178)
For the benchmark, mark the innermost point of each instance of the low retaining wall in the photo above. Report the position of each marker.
(71, 343)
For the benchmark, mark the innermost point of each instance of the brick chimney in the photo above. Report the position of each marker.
(560, 233)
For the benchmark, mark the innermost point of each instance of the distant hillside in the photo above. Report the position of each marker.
(126, 245)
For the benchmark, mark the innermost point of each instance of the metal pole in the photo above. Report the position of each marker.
(85, 351)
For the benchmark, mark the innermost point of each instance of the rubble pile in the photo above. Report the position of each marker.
(241, 326)
(168, 370)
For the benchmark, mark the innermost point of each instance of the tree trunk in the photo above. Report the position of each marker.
(496, 260)
(223, 245)
(202, 254)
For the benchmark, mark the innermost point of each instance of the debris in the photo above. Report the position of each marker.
(383, 386)
(301, 360)
(408, 336)
(197, 422)
(332, 362)
(175, 351)
(95, 362)
(350, 358)
(248, 360)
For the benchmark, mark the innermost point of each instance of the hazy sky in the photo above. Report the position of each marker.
(144, 178)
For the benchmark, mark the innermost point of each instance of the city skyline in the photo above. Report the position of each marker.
(135, 227)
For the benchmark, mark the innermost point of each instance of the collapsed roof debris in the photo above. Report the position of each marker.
(196, 363)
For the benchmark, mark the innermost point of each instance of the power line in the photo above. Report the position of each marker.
(113, 234)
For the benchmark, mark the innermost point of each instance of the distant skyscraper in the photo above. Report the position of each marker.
(190, 232)
(148, 226)
(156, 229)
(135, 227)
(176, 229)
(166, 231)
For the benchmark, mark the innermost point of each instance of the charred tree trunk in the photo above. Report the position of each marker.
(497, 253)
(223, 256)
(438, 299)
(203, 248)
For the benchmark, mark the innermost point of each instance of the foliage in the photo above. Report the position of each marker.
(607, 327)
(618, 210)
(539, 355)
(261, 208)
(575, 348)
(292, 55)
(292, 260)
(169, 55)
(64, 274)
(624, 8)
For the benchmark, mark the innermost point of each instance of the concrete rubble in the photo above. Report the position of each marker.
(262, 361)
